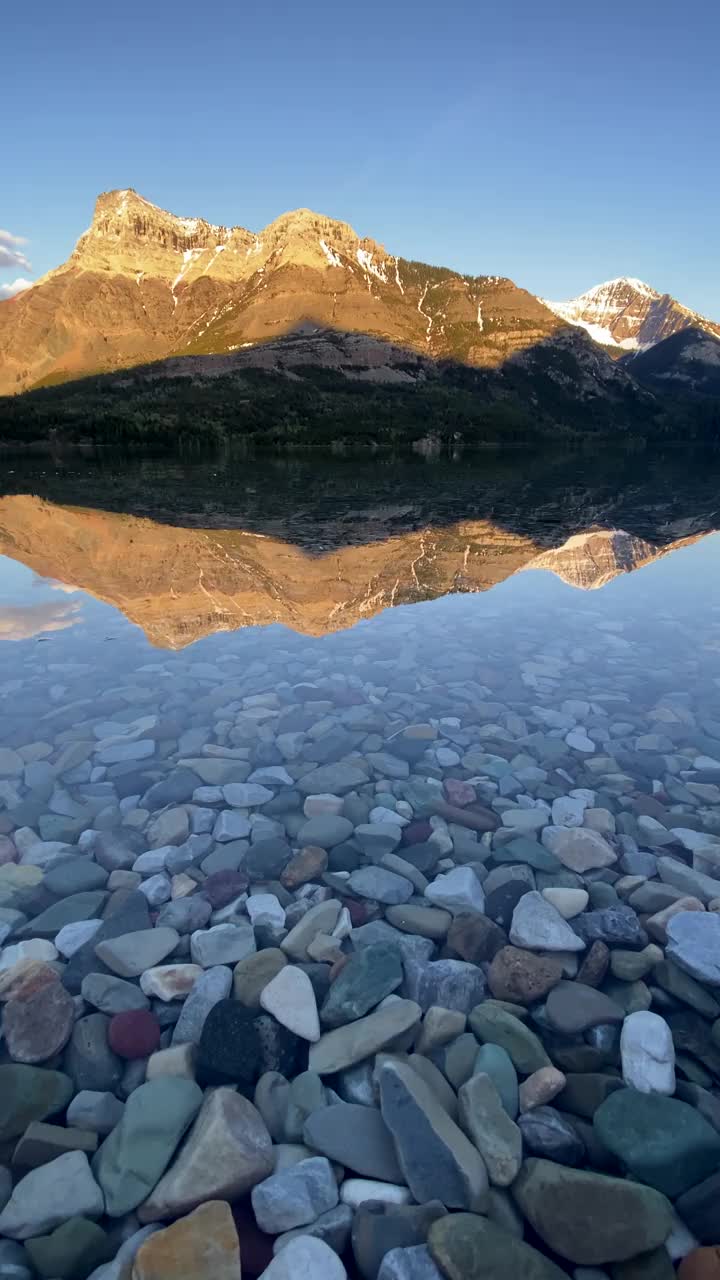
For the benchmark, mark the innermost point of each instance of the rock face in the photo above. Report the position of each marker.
(144, 278)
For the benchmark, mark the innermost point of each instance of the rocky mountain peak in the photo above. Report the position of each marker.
(629, 314)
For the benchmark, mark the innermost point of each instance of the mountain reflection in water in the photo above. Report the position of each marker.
(185, 552)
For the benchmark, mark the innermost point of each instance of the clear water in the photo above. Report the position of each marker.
(407, 588)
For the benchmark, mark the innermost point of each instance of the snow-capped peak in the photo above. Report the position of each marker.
(626, 313)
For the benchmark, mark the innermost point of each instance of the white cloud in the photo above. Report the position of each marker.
(11, 255)
(15, 286)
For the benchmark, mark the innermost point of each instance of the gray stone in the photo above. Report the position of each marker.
(46, 1197)
(135, 1155)
(333, 779)
(332, 1227)
(227, 1151)
(74, 875)
(694, 944)
(379, 1227)
(415, 1263)
(132, 953)
(572, 1007)
(209, 989)
(546, 1132)
(376, 839)
(112, 995)
(469, 1247)
(356, 1137)
(231, 825)
(185, 914)
(89, 1060)
(223, 944)
(77, 906)
(352, 1043)
(484, 1119)
(368, 976)
(453, 984)
(294, 1197)
(325, 831)
(435, 1155)
(457, 891)
(381, 885)
(538, 925)
(305, 1258)
(497, 1064)
(98, 1112)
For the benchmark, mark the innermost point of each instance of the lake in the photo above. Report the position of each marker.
(444, 735)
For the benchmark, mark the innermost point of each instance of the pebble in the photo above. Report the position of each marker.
(305, 1258)
(648, 1053)
(202, 1246)
(290, 998)
(48, 1196)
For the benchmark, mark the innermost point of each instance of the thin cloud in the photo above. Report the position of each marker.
(15, 286)
(11, 254)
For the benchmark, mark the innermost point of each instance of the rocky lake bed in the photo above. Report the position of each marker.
(390, 955)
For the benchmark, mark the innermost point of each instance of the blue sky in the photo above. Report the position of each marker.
(557, 142)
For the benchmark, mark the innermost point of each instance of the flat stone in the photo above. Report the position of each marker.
(253, 974)
(537, 925)
(694, 945)
(572, 1008)
(305, 1258)
(210, 988)
(332, 1227)
(133, 1158)
(41, 1143)
(569, 902)
(457, 891)
(380, 1227)
(588, 1218)
(376, 839)
(494, 1025)
(227, 1152)
(290, 998)
(78, 906)
(347, 1045)
(522, 977)
(578, 848)
(98, 1112)
(648, 1053)
(698, 1208)
(89, 1058)
(475, 937)
(202, 1246)
(522, 849)
(454, 984)
(231, 825)
(74, 875)
(467, 1246)
(295, 1196)
(662, 1141)
(427, 922)
(496, 1062)
(483, 1118)
(246, 795)
(380, 885)
(617, 926)
(112, 995)
(74, 936)
(325, 830)
(132, 953)
(356, 1137)
(223, 944)
(32, 949)
(46, 1197)
(679, 984)
(432, 1151)
(319, 919)
(38, 1021)
(70, 1252)
(170, 981)
(333, 779)
(368, 976)
(547, 1132)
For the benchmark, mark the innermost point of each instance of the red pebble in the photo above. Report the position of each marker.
(358, 911)
(459, 793)
(134, 1034)
(222, 886)
(417, 832)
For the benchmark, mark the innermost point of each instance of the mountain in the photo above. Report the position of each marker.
(629, 314)
(143, 284)
(688, 362)
(181, 584)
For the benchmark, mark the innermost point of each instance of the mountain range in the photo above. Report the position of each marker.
(181, 584)
(144, 289)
